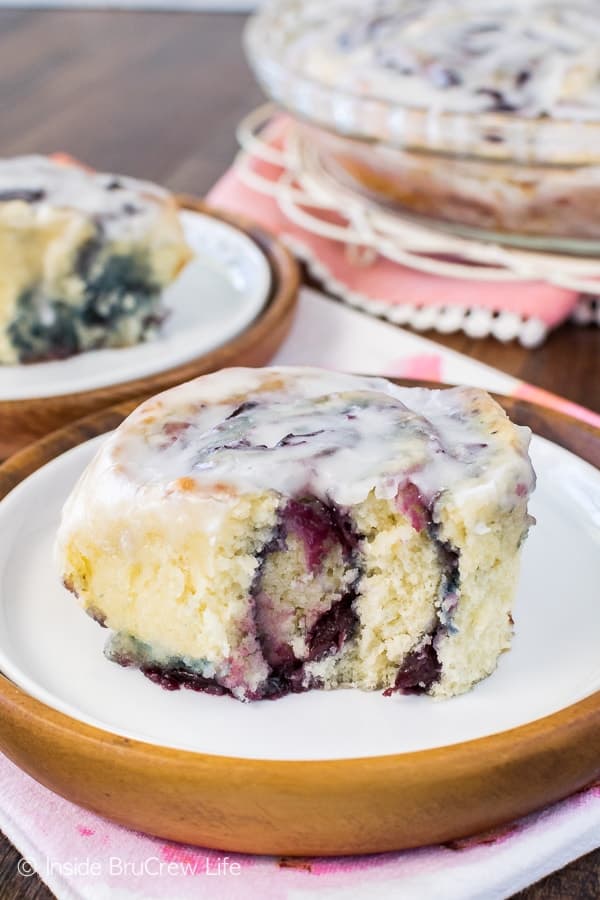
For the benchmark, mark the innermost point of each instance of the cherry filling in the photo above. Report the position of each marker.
(320, 527)
(422, 668)
(419, 671)
(411, 504)
(331, 630)
(328, 635)
(171, 677)
(176, 677)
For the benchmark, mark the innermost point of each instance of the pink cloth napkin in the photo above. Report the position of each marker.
(83, 857)
(417, 298)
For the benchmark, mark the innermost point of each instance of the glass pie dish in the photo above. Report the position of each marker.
(479, 116)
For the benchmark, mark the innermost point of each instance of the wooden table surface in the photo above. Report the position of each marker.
(158, 95)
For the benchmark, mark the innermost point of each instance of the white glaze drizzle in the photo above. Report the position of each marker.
(120, 205)
(351, 435)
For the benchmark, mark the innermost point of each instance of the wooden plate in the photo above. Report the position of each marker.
(22, 421)
(311, 806)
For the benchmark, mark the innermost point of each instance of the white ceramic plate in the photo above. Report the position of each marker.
(51, 649)
(216, 296)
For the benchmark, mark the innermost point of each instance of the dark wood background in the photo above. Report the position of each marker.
(158, 96)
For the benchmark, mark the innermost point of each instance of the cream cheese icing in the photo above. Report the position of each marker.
(290, 430)
(123, 206)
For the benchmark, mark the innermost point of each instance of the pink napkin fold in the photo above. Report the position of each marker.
(438, 301)
(83, 857)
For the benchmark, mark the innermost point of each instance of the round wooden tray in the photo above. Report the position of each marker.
(22, 421)
(310, 807)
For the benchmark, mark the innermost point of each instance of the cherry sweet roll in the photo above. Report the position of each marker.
(258, 532)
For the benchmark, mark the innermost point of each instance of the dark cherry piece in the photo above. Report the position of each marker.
(411, 504)
(178, 677)
(320, 527)
(421, 669)
(311, 522)
(333, 628)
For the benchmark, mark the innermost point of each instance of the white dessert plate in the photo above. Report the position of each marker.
(218, 294)
(54, 652)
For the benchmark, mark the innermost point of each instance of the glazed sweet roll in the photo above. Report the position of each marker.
(260, 532)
